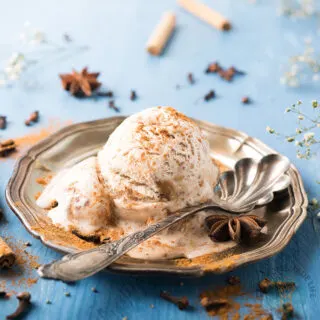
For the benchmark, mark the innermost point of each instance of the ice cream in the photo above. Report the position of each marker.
(155, 163)
(76, 198)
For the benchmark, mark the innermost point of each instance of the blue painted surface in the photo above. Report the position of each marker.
(116, 32)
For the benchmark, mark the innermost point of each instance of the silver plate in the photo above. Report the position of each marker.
(77, 142)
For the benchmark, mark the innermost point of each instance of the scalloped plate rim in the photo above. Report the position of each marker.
(276, 245)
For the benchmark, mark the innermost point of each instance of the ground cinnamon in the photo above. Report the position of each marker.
(28, 140)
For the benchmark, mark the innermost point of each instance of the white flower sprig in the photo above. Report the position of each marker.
(305, 136)
(298, 8)
(35, 49)
(303, 67)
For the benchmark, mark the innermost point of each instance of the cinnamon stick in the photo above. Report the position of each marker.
(161, 34)
(7, 256)
(206, 14)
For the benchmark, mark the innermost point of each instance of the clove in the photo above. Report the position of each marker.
(34, 117)
(210, 95)
(213, 303)
(3, 122)
(24, 302)
(190, 78)
(182, 303)
(266, 284)
(133, 95)
(113, 106)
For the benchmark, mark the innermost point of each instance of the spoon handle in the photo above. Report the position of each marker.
(77, 266)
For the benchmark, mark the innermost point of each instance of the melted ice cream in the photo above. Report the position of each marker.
(156, 162)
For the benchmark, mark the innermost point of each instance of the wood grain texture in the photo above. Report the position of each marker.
(259, 44)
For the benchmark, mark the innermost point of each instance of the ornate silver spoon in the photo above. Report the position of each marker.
(250, 184)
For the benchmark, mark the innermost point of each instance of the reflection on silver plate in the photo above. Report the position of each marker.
(77, 142)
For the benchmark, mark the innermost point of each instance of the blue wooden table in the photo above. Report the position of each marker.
(116, 32)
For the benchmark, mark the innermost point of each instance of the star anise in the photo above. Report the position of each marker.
(80, 84)
(243, 228)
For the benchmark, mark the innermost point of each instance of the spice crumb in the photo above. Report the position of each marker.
(190, 78)
(48, 301)
(67, 294)
(210, 95)
(3, 122)
(245, 100)
(28, 244)
(94, 289)
(133, 95)
(113, 106)
(151, 306)
(34, 117)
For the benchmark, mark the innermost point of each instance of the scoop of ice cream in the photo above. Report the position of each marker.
(81, 201)
(157, 161)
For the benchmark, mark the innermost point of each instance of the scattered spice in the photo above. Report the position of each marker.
(287, 311)
(108, 94)
(34, 117)
(152, 306)
(94, 289)
(190, 78)
(51, 232)
(242, 229)
(80, 84)
(211, 304)
(113, 106)
(266, 285)
(133, 95)
(221, 302)
(246, 100)
(182, 303)
(67, 37)
(213, 68)
(7, 256)
(67, 294)
(3, 122)
(48, 301)
(28, 244)
(233, 280)
(226, 74)
(44, 180)
(95, 238)
(53, 204)
(24, 302)
(210, 95)
(21, 274)
(24, 142)
(7, 147)
(217, 262)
